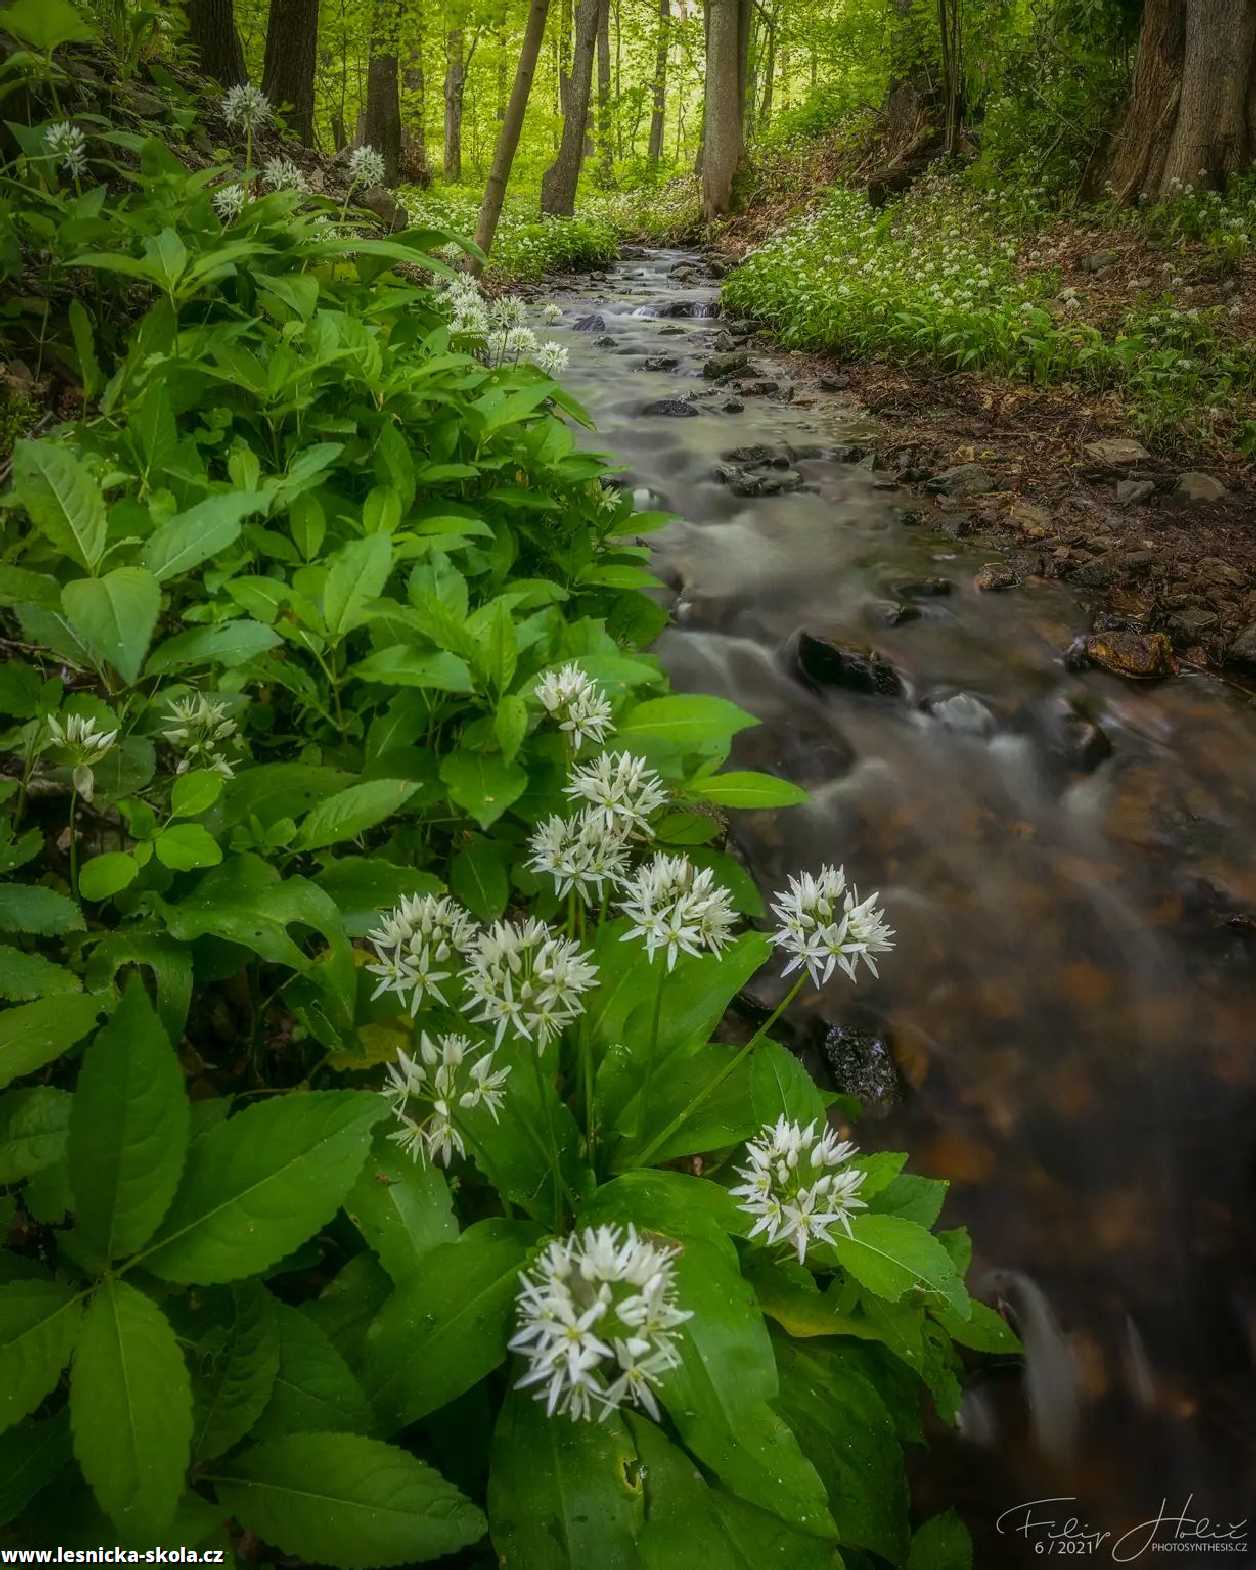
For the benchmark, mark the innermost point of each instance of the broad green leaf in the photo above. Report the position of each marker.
(35, 1033)
(39, 1324)
(351, 812)
(401, 1207)
(256, 1186)
(747, 790)
(447, 1324)
(942, 1543)
(314, 1387)
(170, 963)
(484, 784)
(781, 1087)
(36, 911)
(356, 575)
(205, 530)
(194, 793)
(113, 617)
(234, 1383)
(63, 498)
(104, 876)
(564, 1495)
(20, 586)
(229, 643)
(47, 23)
(498, 646)
(346, 1307)
(402, 666)
(918, 1199)
(364, 887)
(131, 1409)
(33, 1127)
(31, 1455)
(478, 876)
(890, 1255)
(344, 1500)
(24, 976)
(128, 1129)
(985, 1330)
(681, 723)
(185, 846)
(510, 725)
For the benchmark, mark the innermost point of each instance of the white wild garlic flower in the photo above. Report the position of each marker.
(578, 704)
(229, 202)
(551, 358)
(598, 1314)
(526, 980)
(246, 105)
(427, 1091)
(417, 946)
(580, 853)
(86, 744)
(198, 728)
(508, 311)
(607, 497)
(677, 908)
(622, 787)
(798, 1185)
(366, 167)
(67, 144)
(551, 313)
(824, 925)
(281, 174)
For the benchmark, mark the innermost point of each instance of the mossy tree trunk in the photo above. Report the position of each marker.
(512, 126)
(558, 184)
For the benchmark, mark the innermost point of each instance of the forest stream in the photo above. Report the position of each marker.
(1065, 1029)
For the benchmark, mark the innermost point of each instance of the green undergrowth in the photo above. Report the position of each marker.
(526, 246)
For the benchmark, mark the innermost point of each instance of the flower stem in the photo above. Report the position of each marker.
(654, 1051)
(713, 1084)
(560, 1187)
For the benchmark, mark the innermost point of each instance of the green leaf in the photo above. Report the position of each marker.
(36, 911)
(402, 1209)
(446, 1326)
(314, 1387)
(39, 1324)
(229, 643)
(31, 1455)
(351, 812)
(194, 793)
(256, 1186)
(781, 1087)
(185, 846)
(128, 1130)
(747, 790)
(33, 1126)
(62, 495)
(402, 666)
(563, 1495)
(85, 348)
(942, 1543)
(205, 530)
(35, 1033)
(687, 723)
(356, 575)
(235, 1384)
(510, 725)
(890, 1256)
(985, 1330)
(478, 876)
(341, 1499)
(114, 616)
(131, 1409)
(483, 784)
(24, 976)
(107, 875)
(918, 1199)
(498, 645)
(364, 886)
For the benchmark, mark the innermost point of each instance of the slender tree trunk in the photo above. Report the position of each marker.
(381, 127)
(558, 184)
(706, 87)
(455, 81)
(212, 29)
(1191, 118)
(291, 58)
(564, 55)
(769, 71)
(722, 122)
(659, 90)
(416, 169)
(606, 150)
(745, 28)
(512, 125)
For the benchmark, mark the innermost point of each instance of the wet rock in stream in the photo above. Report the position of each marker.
(661, 362)
(593, 323)
(720, 366)
(827, 662)
(671, 408)
(1138, 656)
(861, 1064)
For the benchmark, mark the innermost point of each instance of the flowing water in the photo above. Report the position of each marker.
(1071, 1006)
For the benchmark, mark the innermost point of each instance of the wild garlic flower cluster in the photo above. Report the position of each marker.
(246, 106)
(824, 924)
(551, 312)
(623, 789)
(418, 945)
(502, 325)
(366, 168)
(509, 345)
(229, 201)
(281, 174)
(200, 728)
(578, 704)
(86, 744)
(798, 1185)
(598, 1315)
(581, 854)
(677, 908)
(552, 358)
(66, 144)
(426, 1093)
(526, 980)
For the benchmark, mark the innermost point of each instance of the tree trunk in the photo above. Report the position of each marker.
(212, 30)
(381, 125)
(564, 56)
(416, 169)
(769, 72)
(912, 91)
(558, 184)
(455, 82)
(291, 57)
(722, 121)
(1191, 118)
(745, 30)
(659, 91)
(606, 151)
(512, 125)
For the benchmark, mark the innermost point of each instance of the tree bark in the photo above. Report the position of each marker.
(212, 29)
(381, 126)
(455, 82)
(659, 89)
(606, 150)
(558, 184)
(291, 58)
(1191, 118)
(512, 125)
(769, 73)
(912, 91)
(723, 144)
(415, 168)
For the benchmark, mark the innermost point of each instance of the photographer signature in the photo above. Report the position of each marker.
(1054, 1530)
